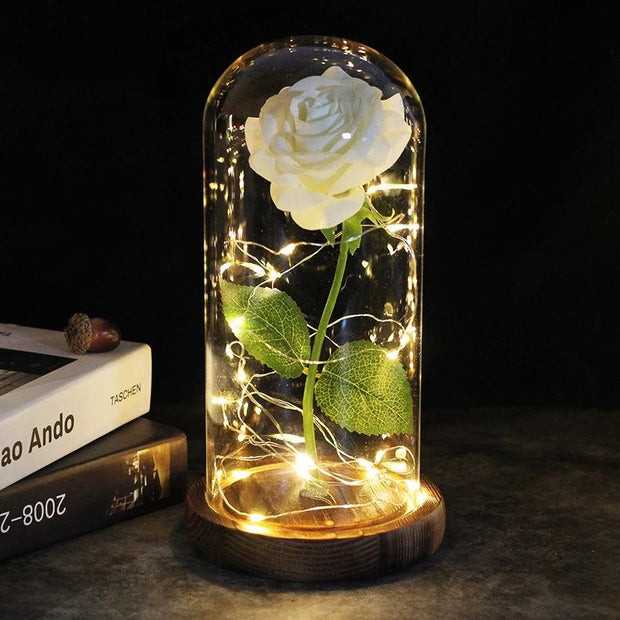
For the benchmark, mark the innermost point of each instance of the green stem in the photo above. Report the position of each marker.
(319, 337)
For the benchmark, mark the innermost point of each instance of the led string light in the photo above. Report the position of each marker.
(282, 446)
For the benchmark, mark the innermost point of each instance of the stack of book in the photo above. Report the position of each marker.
(76, 450)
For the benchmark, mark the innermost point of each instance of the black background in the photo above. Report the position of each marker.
(100, 133)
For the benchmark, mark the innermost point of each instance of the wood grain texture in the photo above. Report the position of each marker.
(404, 542)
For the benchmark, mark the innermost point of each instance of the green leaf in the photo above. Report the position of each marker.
(352, 229)
(363, 390)
(269, 324)
(329, 234)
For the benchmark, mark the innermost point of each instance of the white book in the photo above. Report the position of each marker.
(53, 401)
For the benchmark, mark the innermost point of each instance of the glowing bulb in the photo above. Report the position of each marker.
(304, 465)
(241, 375)
(238, 474)
(252, 528)
(237, 323)
(412, 485)
(346, 135)
(401, 453)
(219, 400)
(371, 471)
(393, 354)
(229, 351)
(256, 517)
(287, 250)
(398, 467)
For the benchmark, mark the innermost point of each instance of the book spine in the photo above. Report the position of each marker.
(74, 413)
(63, 504)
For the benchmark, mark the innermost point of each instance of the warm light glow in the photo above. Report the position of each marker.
(386, 187)
(238, 474)
(237, 323)
(304, 465)
(252, 422)
(242, 436)
(393, 354)
(257, 269)
(273, 274)
(398, 467)
(287, 250)
(255, 529)
(371, 470)
(412, 485)
(394, 228)
(421, 496)
(296, 439)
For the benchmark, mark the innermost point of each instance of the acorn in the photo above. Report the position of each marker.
(97, 335)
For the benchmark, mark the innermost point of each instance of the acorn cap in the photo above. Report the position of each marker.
(79, 333)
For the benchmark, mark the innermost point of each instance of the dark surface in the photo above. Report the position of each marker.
(533, 518)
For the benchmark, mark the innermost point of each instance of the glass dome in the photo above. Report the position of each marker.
(313, 179)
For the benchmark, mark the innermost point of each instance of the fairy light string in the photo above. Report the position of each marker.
(253, 403)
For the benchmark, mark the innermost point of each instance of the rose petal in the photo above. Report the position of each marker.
(336, 73)
(397, 133)
(350, 175)
(263, 163)
(313, 210)
(394, 104)
(253, 134)
(320, 140)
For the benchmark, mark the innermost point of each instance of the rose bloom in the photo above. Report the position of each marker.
(320, 140)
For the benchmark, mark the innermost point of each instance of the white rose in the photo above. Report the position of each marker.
(320, 140)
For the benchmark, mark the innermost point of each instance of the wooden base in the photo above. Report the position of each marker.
(412, 538)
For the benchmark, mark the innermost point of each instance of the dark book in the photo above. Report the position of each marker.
(135, 469)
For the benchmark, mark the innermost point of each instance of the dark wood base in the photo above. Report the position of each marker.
(300, 559)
